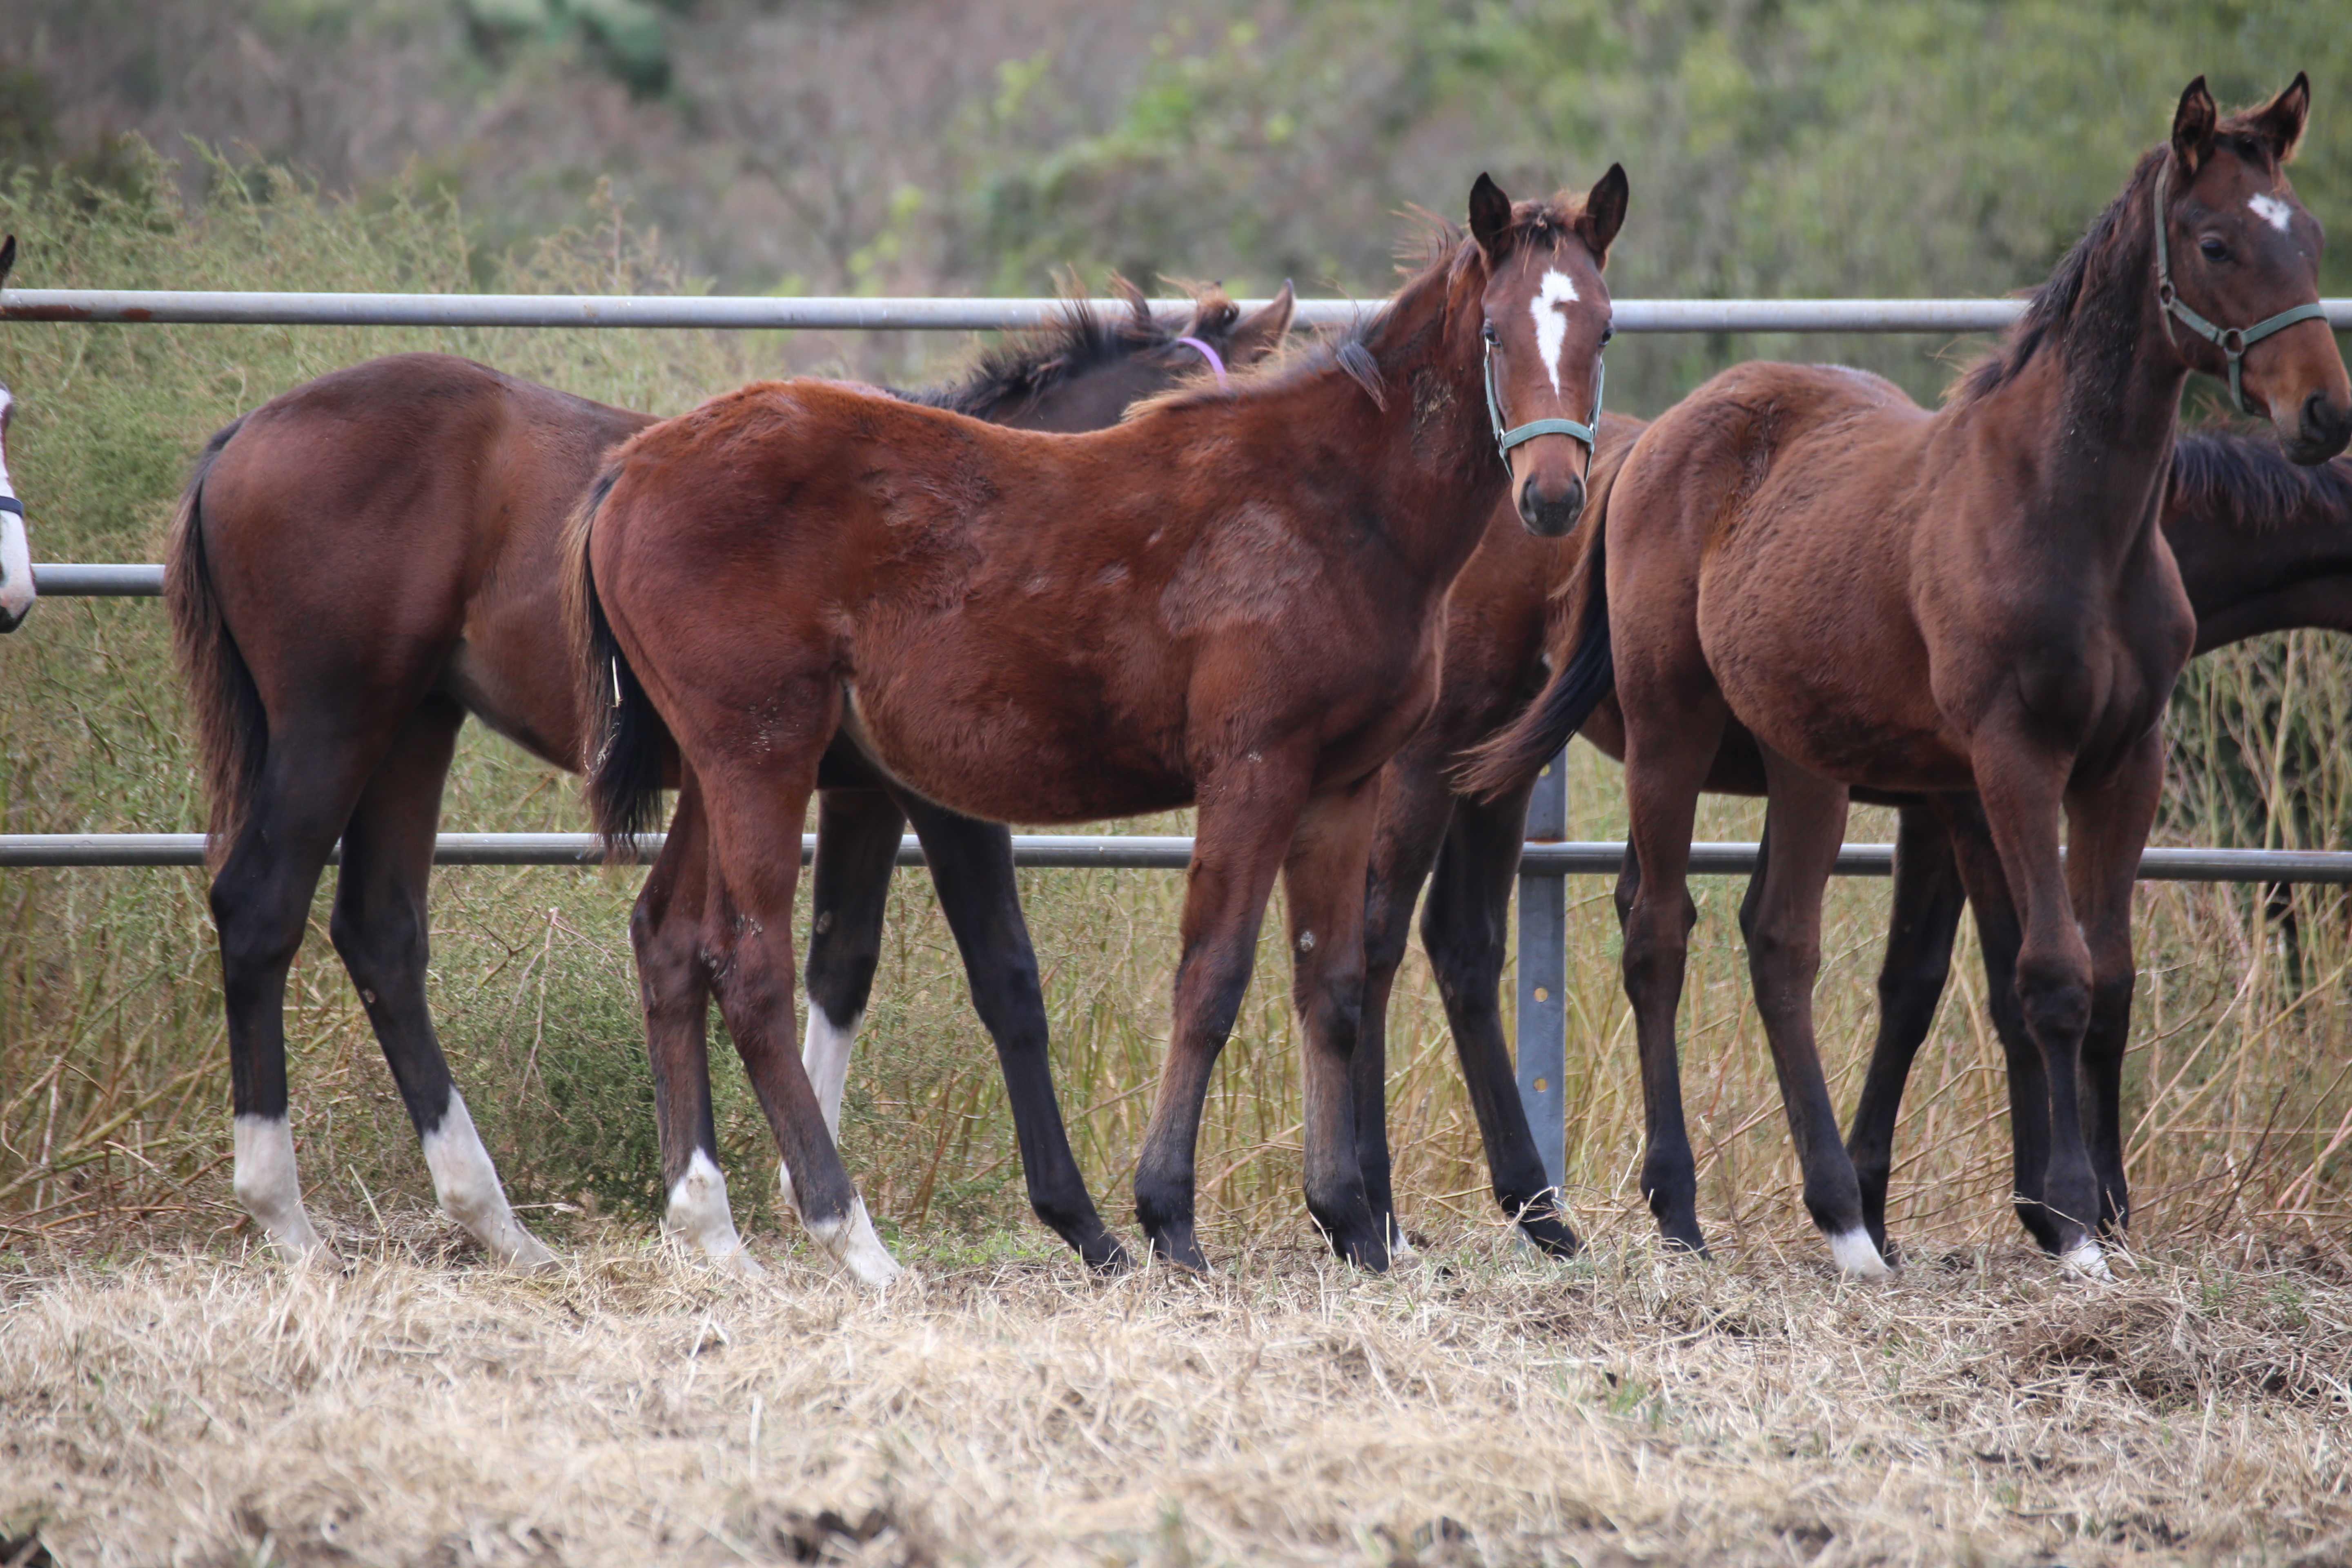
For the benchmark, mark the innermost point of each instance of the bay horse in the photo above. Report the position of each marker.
(15, 553)
(2263, 545)
(1977, 599)
(1232, 599)
(368, 558)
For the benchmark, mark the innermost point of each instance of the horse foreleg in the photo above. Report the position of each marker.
(1922, 923)
(1804, 822)
(2021, 783)
(971, 866)
(1323, 879)
(1466, 932)
(1415, 806)
(674, 987)
(1248, 811)
(380, 927)
(2107, 829)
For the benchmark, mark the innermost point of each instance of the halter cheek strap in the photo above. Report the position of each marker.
(1507, 438)
(1206, 353)
(10, 503)
(2233, 342)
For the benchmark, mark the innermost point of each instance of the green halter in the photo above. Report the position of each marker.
(2233, 342)
(1505, 439)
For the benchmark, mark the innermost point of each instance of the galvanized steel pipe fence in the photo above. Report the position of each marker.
(1546, 860)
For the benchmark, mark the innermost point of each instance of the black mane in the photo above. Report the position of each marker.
(2246, 477)
(1015, 373)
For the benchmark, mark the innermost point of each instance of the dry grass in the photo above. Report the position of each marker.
(1482, 1407)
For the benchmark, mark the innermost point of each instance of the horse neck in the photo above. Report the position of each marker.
(2287, 568)
(2103, 395)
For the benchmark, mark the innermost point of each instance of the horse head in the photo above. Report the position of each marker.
(16, 555)
(1546, 319)
(2238, 269)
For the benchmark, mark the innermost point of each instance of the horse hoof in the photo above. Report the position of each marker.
(1548, 1235)
(1179, 1248)
(1103, 1253)
(1856, 1256)
(2086, 1261)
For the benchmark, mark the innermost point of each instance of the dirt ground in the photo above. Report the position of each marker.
(1481, 1405)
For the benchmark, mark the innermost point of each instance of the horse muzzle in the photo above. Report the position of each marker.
(16, 571)
(2322, 428)
(1550, 511)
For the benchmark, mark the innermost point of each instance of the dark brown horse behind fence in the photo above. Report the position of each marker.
(1232, 599)
(1977, 599)
(369, 557)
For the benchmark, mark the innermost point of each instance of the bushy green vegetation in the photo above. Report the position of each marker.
(1821, 147)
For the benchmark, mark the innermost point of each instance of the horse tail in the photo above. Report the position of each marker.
(231, 725)
(1588, 675)
(624, 743)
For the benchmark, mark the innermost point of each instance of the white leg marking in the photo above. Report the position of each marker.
(468, 1185)
(1857, 1257)
(2086, 1262)
(698, 1215)
(825, 1056)
(1551, 322)
(851, 1242)
(265, 1184)
(2270, 209)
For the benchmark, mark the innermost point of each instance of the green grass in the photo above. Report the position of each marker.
(113, 1070)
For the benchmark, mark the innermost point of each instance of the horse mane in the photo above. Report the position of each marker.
(1021, 369)
(2224, 473)
(1435, 256)
(2053, 313)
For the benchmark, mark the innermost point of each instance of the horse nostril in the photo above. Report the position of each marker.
(1551, 515)
(2326, 427)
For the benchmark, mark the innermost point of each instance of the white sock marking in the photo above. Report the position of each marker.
(467, 1182)
(852, 1243)
(265, 1184)
(825, 1056)
(1857, 1257)
(698, 1217)
(2086, 1262)
(2270, 209)
(1551, 322)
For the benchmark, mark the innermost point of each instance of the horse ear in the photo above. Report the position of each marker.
(1490, 219)
(1260, 332)
(8, 257)
(1604, 211)
(2280, 122)
(2193, 124)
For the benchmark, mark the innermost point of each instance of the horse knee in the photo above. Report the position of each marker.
(2055, 996)
(260, 928)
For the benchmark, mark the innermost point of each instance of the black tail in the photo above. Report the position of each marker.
(626, 743)
(232, 726)
(1518, 752)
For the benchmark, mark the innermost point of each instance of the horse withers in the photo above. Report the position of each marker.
(373, 555)
(1232, 599)
(1977, 599)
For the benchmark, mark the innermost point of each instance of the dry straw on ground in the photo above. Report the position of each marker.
(1484, 1406)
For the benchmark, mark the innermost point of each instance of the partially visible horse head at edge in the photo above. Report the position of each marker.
(15, 553)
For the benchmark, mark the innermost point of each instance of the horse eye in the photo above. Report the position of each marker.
(2213, 249)
(1488, 332)
(1608, 332)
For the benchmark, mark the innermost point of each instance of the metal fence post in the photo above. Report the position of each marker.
(1543, 969)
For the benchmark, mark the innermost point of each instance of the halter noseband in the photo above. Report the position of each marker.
(10, 503)
(2233, 342)
(1505, 439)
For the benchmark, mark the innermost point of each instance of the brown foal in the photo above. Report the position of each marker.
(1974, 599)
(1233, 599)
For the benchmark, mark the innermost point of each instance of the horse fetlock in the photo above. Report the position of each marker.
(466, 1184)
(1856, 1255)
(849, 1239)
(265, 1184)
(699, 1215)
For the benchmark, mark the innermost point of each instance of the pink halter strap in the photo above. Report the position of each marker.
(1209, 355)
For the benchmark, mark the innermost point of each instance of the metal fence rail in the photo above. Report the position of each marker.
(840, 313)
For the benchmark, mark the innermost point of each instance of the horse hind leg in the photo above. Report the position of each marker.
(1804, 822)
(673, 988)
(972, 868)
(380, 927)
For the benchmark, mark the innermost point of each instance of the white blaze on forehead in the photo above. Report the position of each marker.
(2270, 209)
(1551, 321)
